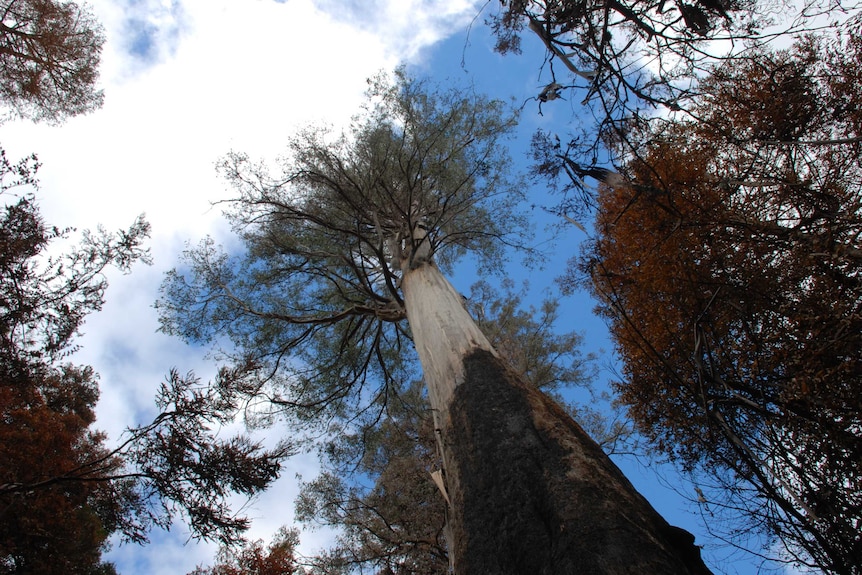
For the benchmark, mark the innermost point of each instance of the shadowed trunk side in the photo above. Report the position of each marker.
(530, 492)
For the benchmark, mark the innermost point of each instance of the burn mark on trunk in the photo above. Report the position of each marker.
(532, 493)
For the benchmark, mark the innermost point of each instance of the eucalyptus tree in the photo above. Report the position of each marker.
(342, 277)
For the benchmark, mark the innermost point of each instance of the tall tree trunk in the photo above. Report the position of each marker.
(529, 491)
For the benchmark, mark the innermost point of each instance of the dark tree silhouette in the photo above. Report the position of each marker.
(631, 62)
(63, 490)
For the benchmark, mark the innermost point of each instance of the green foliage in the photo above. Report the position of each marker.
(313, 308)
(377, 490)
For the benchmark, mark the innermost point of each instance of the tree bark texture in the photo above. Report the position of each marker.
(530, 492)
(443, 331)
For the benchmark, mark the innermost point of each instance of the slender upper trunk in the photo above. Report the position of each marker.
(529, 491)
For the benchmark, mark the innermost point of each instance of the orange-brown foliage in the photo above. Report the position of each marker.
(730, 272)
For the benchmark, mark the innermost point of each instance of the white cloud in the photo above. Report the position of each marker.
(149, 30)
(187, 81)
(407, 26)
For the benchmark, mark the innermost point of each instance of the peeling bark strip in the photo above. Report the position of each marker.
(533, 494)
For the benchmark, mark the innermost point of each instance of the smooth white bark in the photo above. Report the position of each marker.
(443, 331)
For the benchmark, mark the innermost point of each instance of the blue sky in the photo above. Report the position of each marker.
(187, 81)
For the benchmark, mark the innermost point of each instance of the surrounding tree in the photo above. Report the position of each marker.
(49, 59)
(378, 486)
(729, 269)
(182, 465)
(390, 515)
(632, 61)
(59, 509)
(47, 410)
(252, 559)
(347, 245)
(45, 432)
(62, 490)
(624, 50)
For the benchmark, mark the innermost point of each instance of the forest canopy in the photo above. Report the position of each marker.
(64, 489)
(313, 309)
(728, 266)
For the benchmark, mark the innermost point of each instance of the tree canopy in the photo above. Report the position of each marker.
(625, 53)
(47, 407)
(45, 433)
(63, 489)
(49, 59)
(728, 266)
(278, 558)
(314, 306)
(632, 62)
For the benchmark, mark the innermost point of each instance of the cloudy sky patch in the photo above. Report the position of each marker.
(149, 31)
(408, 26)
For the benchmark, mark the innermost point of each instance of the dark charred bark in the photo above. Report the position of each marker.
(531, 493)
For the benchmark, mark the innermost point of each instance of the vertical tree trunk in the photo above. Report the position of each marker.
(530, 492)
